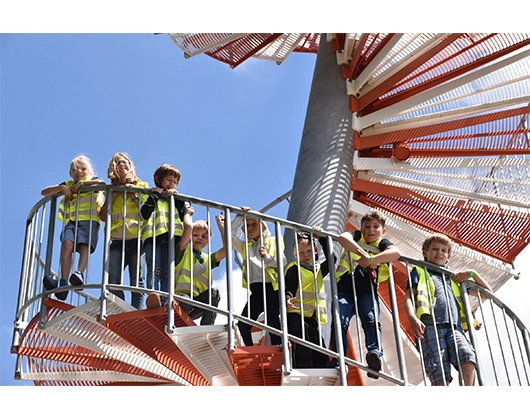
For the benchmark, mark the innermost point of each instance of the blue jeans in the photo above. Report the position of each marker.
(157, 265)
(369, 315)
(131, 259)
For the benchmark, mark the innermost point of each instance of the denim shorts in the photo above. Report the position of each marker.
(83, 233)
(435, 370)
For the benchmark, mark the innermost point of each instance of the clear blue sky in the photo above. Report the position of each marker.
(234, 134)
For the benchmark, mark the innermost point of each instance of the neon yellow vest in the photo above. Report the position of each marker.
(383, 274)
(425, 296)
(183, 270)
(131, 214)
(87, 205)
(309, 295)
(162, 221)
(270, 272)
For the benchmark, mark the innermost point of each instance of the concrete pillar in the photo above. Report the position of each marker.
(322, 181)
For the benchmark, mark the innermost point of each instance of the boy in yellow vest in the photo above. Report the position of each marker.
(368, 271)
(306, 300)
(155, 230)
(200, 270)
(438, 320)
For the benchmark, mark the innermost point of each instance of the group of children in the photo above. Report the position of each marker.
(140, 228)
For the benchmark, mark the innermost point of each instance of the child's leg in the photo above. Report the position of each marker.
(134, 261)
(254, 308)
(273, 312)
(115, 267)
(152, 262)
(346, 312)
(67, 249)
(369, 315)
(468, 373)
(301, 354)
(83, 257)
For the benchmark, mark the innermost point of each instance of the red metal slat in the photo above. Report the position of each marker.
(440, 79)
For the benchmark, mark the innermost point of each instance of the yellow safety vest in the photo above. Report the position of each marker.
(270, 272)
(425, 299)
(85, 208)
(183, 270)
(309, 295)
(383, 274)
(131, 214)
(161, 225)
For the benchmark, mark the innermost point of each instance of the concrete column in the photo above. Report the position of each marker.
(322, 180)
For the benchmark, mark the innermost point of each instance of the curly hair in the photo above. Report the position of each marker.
(112, 173)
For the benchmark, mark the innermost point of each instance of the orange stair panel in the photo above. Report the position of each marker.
(257, 365)
(145, 329)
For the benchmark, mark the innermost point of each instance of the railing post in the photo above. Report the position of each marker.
(49, 253)
(106, 262)
(397, 326)
(229, 281)
(335, 312)
(170, 327)
(281, 296)
(471, 330)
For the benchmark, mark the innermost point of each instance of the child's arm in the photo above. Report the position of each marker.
(416, 325)
(149, 205)
(186, 232)
(291, 286)
(349, 244)
(96, 181)
(389, 254)
(221, 253)
(473, 275)
(59, 188)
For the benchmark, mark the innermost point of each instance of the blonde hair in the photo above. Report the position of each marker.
(438, 238)
(164, 170)
(202, 224)
(77, 160)
(131, 178)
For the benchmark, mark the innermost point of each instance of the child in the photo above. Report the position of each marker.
(79, 212)
(262, 274)
(125, 248)
(201, 272)
(301, 277)
(155, 232)
(435, 295)
(369, 271)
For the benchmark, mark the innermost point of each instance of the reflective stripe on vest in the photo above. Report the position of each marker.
(162, 221)
(80, 209)
(308, 295)
(425, 296)
(183, 274)
(270, 272)
(131, 215)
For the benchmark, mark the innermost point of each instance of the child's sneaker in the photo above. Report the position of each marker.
(373, 360)
(77, 278)
(153, 301)
(62, 295)
(49, 283)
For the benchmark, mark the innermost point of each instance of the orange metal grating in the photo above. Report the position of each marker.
(257, 365)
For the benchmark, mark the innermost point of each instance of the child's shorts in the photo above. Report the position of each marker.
(85, 230)
(446, 347)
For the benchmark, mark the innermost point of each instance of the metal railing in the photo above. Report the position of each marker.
(502, 344)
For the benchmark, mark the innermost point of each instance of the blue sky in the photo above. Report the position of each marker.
(234, 134)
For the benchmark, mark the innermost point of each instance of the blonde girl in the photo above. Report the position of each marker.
(79, 212)
(125, 248)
